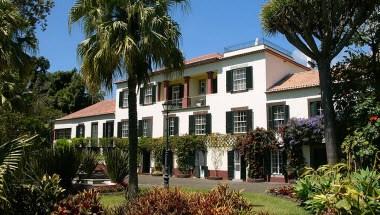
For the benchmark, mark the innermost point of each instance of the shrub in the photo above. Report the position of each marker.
(160, 201)
(89, 162)
(256, 146)
(36, 198)
(185, 148)
(286, 190)
(86, 202)
(117, 165)
(63, 161)
(334, 189)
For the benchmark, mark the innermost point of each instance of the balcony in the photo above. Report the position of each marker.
(190, 102)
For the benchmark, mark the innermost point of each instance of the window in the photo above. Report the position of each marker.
(200, 124)
(176, 97)
(146, 128)
(148, 99)
(315, 108)
(64, 133)
(80, 130)
(202, 87)
(239, 79)
(237, 160)
(124, 129)
(94, 130)
(125, 99)
(279, 116)
(171, 126)
(240, 121)
(276, 162)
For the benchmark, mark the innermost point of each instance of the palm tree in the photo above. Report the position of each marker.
(10, 155)
(15, 43)
(127, 37)
(320, 29)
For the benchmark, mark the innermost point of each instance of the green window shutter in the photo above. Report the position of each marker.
(270, 117)
(229, 81)
(142, 93)
(249, 120)
(119, 127)
(150, 126)
(140, 131)
(229, 122)
(215, 85)
(154, 90)
(286, 113)
(313, 109)
(176, 126)
(164, 128)
(104, 130)
(231, 165)
(121, 95)
(249, 77)
(208, 123)
(191, 124)
(77, 131)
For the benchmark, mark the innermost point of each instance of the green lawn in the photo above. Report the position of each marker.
(262, 202)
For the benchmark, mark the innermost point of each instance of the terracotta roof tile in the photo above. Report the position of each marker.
(296, 81)
(100, 108)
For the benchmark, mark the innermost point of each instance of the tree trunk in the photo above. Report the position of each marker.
(132, 138)
(328, 111)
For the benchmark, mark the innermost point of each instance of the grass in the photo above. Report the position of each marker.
(262, 202)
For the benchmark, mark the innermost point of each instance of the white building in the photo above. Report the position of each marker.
(244, 88)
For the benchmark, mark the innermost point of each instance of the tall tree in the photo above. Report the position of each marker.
(320, 29)
(127, 37)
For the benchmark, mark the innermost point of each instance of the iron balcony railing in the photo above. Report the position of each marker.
(190, 102)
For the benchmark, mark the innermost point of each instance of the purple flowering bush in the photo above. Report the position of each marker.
(298, 132)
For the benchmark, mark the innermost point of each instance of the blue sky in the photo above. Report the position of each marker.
(207, 27)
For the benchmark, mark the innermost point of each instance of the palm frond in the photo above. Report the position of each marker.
(10, 156)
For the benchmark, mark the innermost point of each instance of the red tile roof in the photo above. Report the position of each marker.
(100, 108)
(296, 81)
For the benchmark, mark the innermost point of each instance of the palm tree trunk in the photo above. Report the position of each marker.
(328, 111)
(133, 139)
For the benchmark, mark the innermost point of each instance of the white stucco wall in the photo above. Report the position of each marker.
(72, 123)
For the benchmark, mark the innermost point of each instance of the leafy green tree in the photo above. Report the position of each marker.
(320, 29)
(130, 37)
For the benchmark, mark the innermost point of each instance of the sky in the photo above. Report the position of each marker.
(207, 26)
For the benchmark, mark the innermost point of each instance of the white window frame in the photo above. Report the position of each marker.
(124, 129)
(320, 110)
(93, 130)
(240, 120)
(171, 126)
(279, 116)
(200, 124)
(239, 79)
(148, 96)
(146, 127)
(125, 99)
(276, 162)
(202, 87)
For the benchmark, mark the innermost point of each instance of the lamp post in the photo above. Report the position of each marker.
(166, 174)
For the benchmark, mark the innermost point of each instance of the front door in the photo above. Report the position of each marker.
(146, 161)
(237, 165)
(176, 96)
(231, 166)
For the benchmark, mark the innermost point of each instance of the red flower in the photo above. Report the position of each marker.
(373, 118)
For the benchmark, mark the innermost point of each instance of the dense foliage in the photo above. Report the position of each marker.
(117, 165)
(256, 146)
(299, 132)
(86, 202)
(336, 190)
(160, 201)
(38, 198)
(185, 148)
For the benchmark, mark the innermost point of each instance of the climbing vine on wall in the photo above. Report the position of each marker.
(255, 146)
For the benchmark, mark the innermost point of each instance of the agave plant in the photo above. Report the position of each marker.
(10, 155)
(117, 165)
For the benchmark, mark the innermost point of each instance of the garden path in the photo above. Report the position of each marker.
(196, 183)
